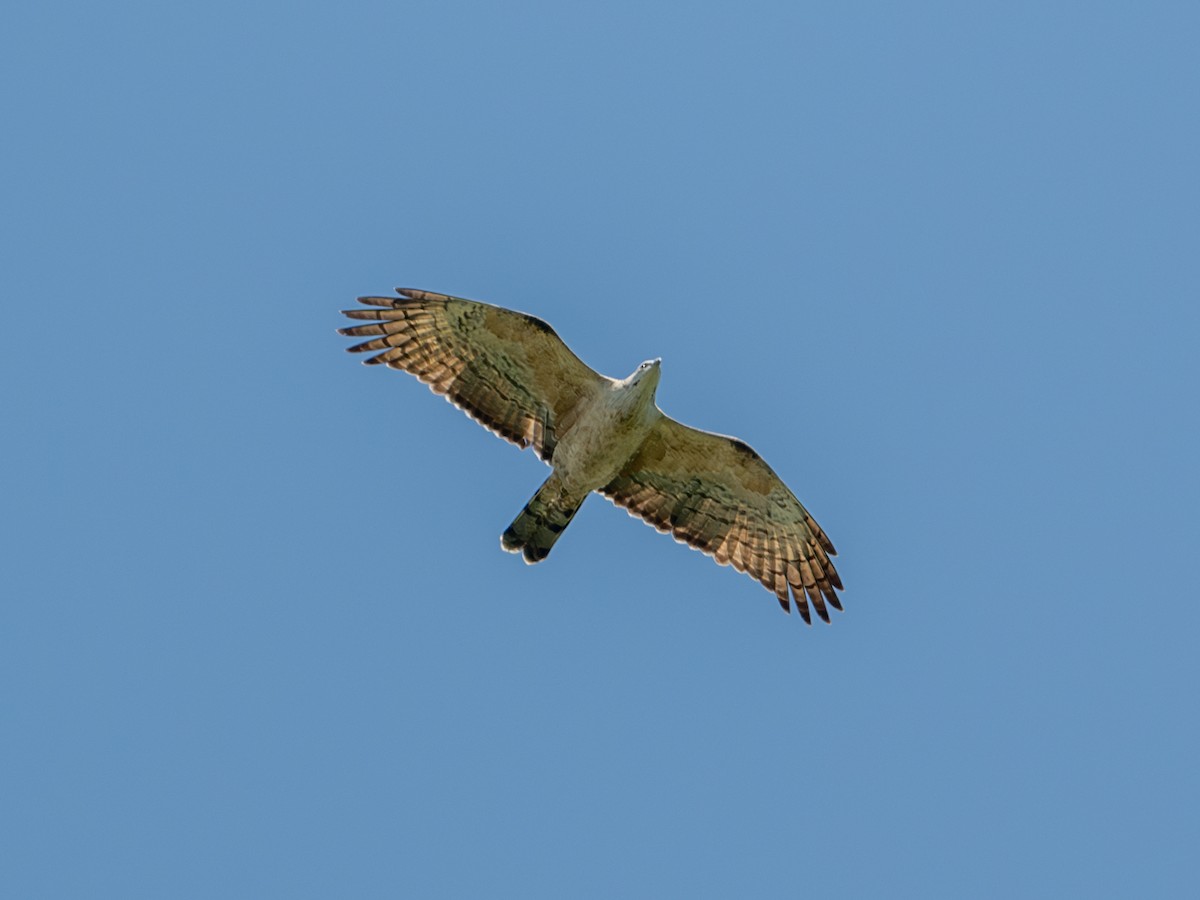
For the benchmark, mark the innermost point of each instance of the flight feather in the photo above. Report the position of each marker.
(716, 494)
(507, 370)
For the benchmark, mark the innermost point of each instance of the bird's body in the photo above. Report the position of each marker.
(613, 422)
(512, 373)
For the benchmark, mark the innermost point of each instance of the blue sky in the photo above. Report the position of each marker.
(936, 262)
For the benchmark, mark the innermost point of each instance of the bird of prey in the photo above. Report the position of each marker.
(513, 374)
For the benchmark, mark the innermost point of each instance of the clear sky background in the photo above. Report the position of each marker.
(939, 263)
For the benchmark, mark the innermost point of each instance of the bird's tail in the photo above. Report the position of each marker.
(543, 519)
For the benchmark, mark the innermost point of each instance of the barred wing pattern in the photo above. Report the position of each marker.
(719, 496)
(507, 370)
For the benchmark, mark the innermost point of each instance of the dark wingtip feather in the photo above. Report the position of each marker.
(374, 315)
(377, 301)
(416, 294)
(371, 329)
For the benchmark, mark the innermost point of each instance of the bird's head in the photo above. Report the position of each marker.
(647, 374)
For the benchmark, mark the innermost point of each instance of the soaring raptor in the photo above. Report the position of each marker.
(510, 372)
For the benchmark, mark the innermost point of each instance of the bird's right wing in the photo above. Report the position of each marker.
(716, 494)
(507, 370)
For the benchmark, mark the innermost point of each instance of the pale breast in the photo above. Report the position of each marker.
(605, 436)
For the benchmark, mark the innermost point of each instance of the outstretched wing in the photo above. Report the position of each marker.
(507, 370)
(716, 494)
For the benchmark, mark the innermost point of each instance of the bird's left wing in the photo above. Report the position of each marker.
(507, 370)
(716, 494)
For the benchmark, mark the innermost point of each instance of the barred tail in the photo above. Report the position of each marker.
(543, 519)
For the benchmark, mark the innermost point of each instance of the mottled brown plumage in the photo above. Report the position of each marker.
(507, 370)
(513, 374)
(716, 494)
